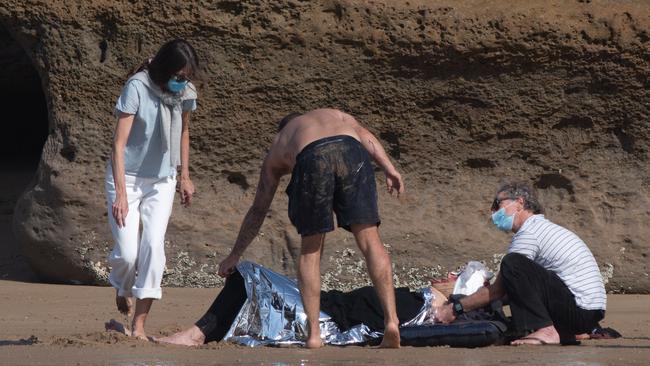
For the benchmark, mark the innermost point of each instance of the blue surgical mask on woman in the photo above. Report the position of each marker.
(503, 221)
(176, 86)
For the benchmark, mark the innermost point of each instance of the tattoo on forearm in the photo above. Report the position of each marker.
(372, 145)
(255, 216)
(249, 230)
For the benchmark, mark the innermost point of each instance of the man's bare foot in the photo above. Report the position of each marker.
(314, 342)
(189, 337)
(115, 326)
(124, 304)
(542, 336)
(391, 337)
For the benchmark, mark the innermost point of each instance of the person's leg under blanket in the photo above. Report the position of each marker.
(362, 305)
(216, 322)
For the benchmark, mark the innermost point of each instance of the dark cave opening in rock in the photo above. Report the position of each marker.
(24, 131)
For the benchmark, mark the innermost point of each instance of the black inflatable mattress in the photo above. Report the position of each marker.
(469, 334)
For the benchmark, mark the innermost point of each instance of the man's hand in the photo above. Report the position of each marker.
(227, 266)
(394, 182)
(445, 313)
(186, 190)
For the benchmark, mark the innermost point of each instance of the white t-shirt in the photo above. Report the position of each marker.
(561, 251)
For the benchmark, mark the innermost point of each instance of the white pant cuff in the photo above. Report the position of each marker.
(120, 291)
(147, 293)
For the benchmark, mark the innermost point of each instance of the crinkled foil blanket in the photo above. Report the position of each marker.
(273, 314)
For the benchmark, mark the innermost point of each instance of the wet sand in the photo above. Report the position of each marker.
(63, 325)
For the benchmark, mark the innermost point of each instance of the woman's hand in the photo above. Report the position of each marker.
(186, 190)
(120, 209)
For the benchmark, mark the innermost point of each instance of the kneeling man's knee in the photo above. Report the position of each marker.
(513, 261)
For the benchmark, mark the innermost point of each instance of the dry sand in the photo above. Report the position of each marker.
(63, 325)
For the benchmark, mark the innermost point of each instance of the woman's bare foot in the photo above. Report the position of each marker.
(189, 337)
(138, 330)
(542, 336)
(140, 335)
(115, 326)
(142, 307)
(391, 337)
(124, 304)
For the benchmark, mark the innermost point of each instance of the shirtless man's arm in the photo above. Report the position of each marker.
(369, 141)
(268, 183)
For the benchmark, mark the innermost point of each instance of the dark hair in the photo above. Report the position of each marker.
(172, 57)
(514, 190)
(283, 122)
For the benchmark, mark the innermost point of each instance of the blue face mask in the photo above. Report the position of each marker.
(502, 221)
(176, 86)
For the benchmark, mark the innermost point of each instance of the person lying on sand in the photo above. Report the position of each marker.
(345, 308)
(229, 312)
(328, 155)
(550, 276)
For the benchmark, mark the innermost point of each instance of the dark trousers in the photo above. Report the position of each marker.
(538, 298)
(222, 313)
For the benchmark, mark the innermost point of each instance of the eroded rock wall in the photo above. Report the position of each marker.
(462, 94)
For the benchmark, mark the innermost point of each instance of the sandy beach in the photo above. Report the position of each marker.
(63, 325)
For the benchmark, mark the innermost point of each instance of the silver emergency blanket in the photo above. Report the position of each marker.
(426, 314)
(473, 277)
(273, 314)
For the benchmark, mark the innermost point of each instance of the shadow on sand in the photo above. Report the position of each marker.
(21, 342)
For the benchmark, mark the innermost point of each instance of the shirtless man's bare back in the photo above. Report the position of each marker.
(327, 152)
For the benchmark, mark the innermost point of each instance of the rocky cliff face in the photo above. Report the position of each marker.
(463, 96)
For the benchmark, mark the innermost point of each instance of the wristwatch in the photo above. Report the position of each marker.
(457, 307)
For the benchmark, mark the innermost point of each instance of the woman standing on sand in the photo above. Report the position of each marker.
(151, 140)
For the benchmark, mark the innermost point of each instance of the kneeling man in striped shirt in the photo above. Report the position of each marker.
(550, 276)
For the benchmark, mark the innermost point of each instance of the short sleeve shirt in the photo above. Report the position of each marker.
(559, 250)
(143, 154)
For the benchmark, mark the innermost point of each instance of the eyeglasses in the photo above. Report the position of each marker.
(180, 78)
(496, 204)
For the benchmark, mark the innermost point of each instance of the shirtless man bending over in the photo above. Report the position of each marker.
(327, 153)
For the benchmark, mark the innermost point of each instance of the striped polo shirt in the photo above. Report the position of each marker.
(561, 251)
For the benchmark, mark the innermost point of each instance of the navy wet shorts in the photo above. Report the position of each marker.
(332, 174)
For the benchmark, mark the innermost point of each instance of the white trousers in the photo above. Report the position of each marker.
(138, 260)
